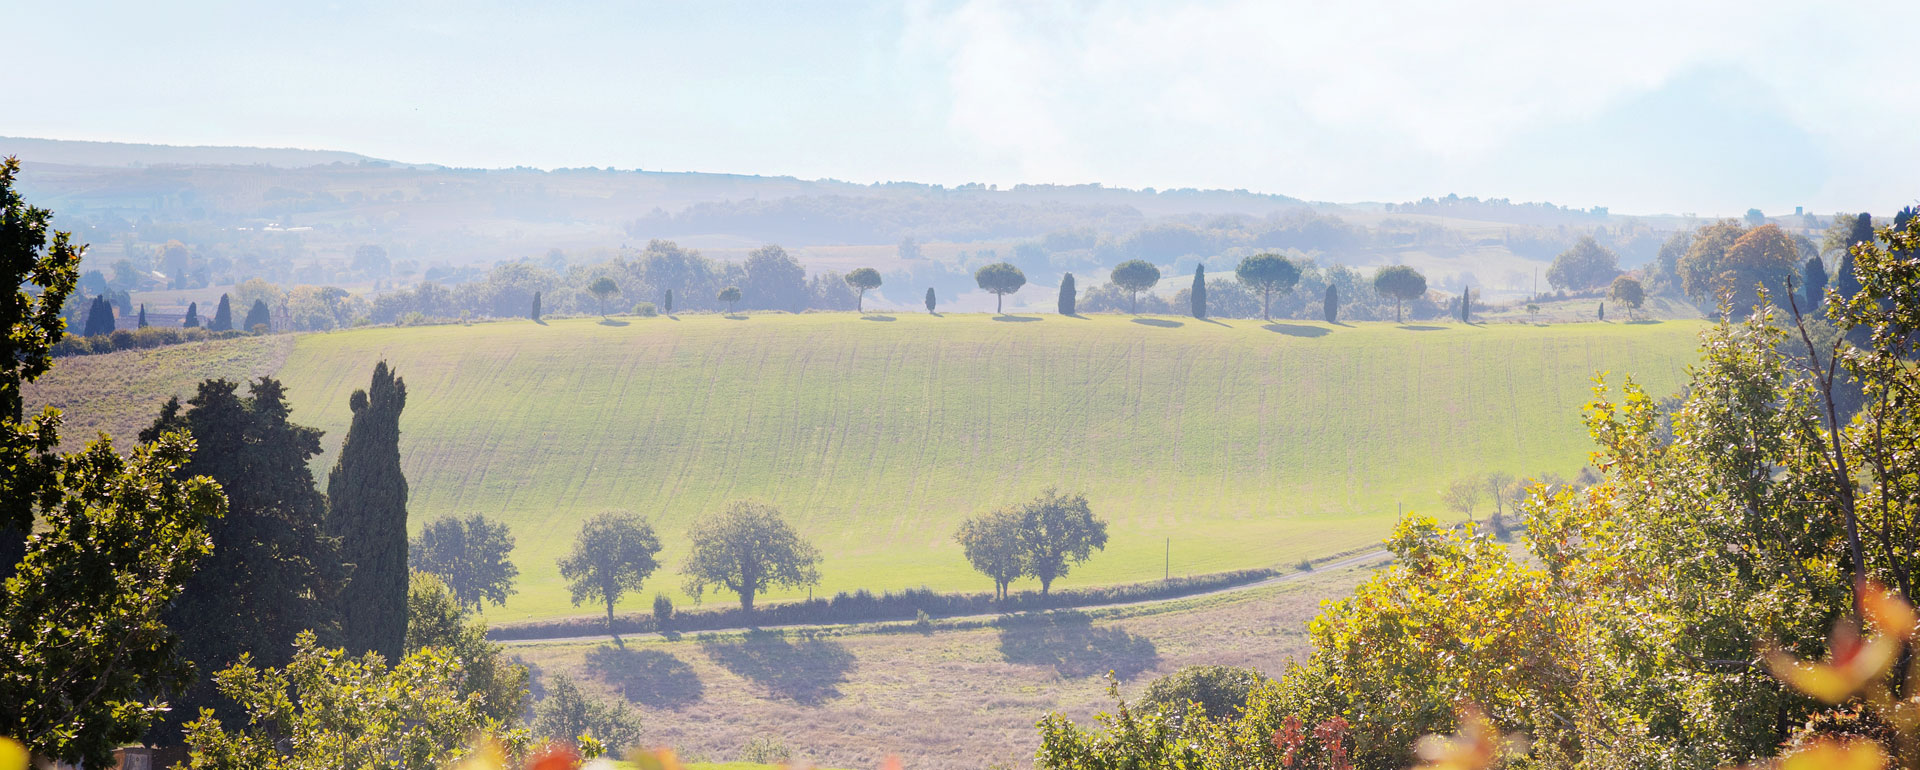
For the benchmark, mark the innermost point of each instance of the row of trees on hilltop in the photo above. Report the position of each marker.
(1258, 280)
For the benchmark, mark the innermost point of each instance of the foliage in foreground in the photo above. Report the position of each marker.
(1744, 520)
(327, 710)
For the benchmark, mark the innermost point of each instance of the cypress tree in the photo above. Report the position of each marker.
(1066, 294)
(667, 305)
(193, 316)
(1603, 311)
(1813, 280)
(1331, 306)
(273, 571)
(367, 510)
(1466, 305)
(929, 299)
(99, 317)
(535, 314)
(257, 316)
(143, 315)
(222, 316)
(1199, 293)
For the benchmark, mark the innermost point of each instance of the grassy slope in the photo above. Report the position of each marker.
(1245, 446)
(120, 393)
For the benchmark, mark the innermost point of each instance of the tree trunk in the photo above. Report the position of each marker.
(997, 296)
(1046, 584)
(1266, 305)
(609, 613)
(860, 302)
(1396, 311)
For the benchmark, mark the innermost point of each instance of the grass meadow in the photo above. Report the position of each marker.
(1228, 444)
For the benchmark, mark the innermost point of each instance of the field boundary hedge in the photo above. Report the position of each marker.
(865, 606)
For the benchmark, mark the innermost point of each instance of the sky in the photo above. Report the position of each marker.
(1668, 106)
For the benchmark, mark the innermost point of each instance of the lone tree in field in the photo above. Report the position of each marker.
(1466, 305)
(193, 316)
(1067, 295)
(222, 316)
(1813, 285)
(1463, 495)
(1000, 278)
(993, 546)
(1629, 292)
(535, 312)
(142, 320)
(862, 280)
(1402, 283)
(1497, 484)
(1588, 265)
(1198, 295)
(1267, 273)
(602, 288)
(1135, 275)
(614, 553)
(1330, 307)
(1056, 532)
(929, 300)
(471, 555)
(666, 303)
(747, 549)
(367, 511)
(258, 317)
(729, 295)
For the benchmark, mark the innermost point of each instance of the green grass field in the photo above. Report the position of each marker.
(1244, 444)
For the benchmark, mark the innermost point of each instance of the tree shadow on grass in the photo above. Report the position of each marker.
(649, 677)
(1159, 322)
(808, 671)
(1015, 319)
(1412, 328)
(1295, 330)
(1069, 643)
(1644, 322)
(876, 318)
(1215, 323)
(1074, 315)
(735, 317)
(612, 322)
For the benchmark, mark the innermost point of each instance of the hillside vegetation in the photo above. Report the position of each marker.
(1245, 444)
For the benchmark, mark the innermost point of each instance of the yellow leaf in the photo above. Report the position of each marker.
(1890, 613)
(1833, 755)
(13, 756)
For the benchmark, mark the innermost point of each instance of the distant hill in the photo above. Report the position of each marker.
(123, 155)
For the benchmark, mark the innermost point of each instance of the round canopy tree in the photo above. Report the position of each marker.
(1629, 292)
(1400, 282)
(861, 280)
(729, 295)
(615, 553)
(1000, 278)
(1268, 273)
(602, 288)
(1588, 265)
(1135, 275)
(746, 549)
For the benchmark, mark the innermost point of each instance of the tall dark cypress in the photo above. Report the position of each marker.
(99, 317)
(1066, 294)
(667, 306)
(535, 315)
(929, 299)
(273, 571)
(1331, 306)
(1813, 285)
(1199, 293)
(367, 511)
(222, 316)
(143, 315)
(193, 315)
(1466, 305)
(258, 316)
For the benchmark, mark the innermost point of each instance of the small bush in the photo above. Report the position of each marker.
(766, 751)
(645, 310)
(1221, 691)
(662, 610)
(1305, 565)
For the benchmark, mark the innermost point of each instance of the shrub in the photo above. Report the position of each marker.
(1220, 691)
(765, 750)
(646, 310)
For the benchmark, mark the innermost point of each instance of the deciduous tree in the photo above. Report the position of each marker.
(746, 549)
(1627, 291)
(1587, 265)
(568, 714)
(729, 295)
(615, 552)
(472, 555)
(993, 545)
(1058, 531)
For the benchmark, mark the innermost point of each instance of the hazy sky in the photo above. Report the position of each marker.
(1668, 106)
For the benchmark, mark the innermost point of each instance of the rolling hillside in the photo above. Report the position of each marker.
(1243, 444)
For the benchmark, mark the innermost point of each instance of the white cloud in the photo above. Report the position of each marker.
(1381, 99)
